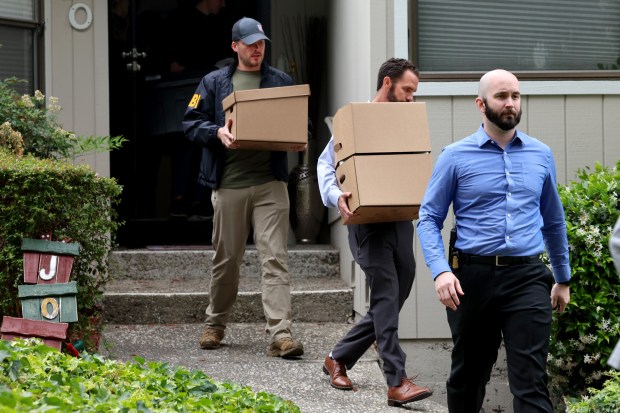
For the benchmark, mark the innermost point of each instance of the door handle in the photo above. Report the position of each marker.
(134, 55)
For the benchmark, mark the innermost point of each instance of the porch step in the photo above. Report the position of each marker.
(167, 285)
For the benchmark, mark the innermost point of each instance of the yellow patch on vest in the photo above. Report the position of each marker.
(194, 102)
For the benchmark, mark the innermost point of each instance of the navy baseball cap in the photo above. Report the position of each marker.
(248, 30)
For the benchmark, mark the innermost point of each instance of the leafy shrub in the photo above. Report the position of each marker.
(606, 400)
(35, 377)
(584, 336)
(41, 196)
(29, 125)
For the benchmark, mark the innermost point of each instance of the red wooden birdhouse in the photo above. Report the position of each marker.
(48, 262)
(52, 334)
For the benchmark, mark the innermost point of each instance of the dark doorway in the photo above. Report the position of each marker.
(161, 203)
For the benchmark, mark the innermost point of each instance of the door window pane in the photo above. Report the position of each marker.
(19, 41)
(534, 35)
(16, 54)
(18, 9)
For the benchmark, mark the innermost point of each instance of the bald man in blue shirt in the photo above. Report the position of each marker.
(502, 187)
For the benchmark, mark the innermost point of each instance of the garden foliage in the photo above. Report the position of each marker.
(28, 125)
(37, 378)
(605, 400)
(41, 196)
(41, 192)
(584, 336)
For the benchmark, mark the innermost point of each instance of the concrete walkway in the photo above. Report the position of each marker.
(242, 360)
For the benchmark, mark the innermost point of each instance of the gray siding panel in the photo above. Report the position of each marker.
(584, 132)
(611, 130)
(79, 75)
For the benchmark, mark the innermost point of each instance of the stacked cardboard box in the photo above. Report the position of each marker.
(383, 157)
(274, 119)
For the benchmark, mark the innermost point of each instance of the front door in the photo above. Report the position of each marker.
(156, 61)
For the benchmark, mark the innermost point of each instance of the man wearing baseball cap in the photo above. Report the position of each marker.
(249, 191)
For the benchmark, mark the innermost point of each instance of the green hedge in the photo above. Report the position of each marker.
(37, 378)
(605, 400)
(73, 203)
(584, 336)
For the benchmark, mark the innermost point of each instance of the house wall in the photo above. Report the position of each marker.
(352, 76)
(576, 119)
(76, 71)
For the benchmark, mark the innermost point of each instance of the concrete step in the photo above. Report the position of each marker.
(170, 285)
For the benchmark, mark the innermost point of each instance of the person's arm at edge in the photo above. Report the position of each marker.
(331, 194)
(614, 245)
(555, 237)
(199, 123)
(433, 211)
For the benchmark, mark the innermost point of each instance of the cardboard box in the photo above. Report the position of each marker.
(385, 187)
(364, 128)
(274, 119)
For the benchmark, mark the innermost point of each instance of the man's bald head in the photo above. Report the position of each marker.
(493, 78)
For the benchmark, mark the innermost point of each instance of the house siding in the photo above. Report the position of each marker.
(580, 127)
(77, 73)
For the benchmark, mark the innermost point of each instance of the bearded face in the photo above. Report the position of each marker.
(505, 119)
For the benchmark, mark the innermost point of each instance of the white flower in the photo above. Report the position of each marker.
(39, 96)
(27, 101)
(590, 338)
(597, 375)
(606, 325)
(53, 105)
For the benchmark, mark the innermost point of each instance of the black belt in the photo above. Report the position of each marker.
(497, 260)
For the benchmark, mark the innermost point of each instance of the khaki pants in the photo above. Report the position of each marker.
(264, 208)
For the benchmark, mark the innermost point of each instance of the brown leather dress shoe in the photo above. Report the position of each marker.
(407, 392)
(337, 374)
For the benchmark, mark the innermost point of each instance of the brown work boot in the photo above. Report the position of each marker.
(407, 392)
(285, 347)
(211, 338)
(337, 372)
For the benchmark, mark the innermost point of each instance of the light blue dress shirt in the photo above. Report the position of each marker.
(326, 176)
(505, 202)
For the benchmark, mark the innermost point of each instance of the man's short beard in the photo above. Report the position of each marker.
(391, 97)
(496, 118)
